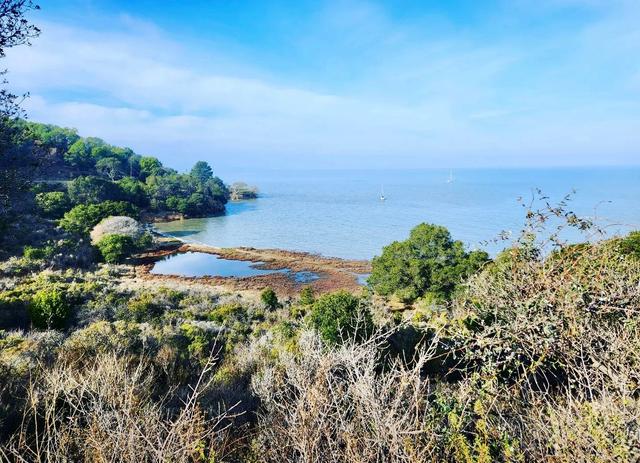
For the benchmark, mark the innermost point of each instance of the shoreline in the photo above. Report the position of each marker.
(334, 273)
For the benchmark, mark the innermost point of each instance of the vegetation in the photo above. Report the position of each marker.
(534, 356)
(49, 309)
(270, 299)
(429, 263)
(340, 316)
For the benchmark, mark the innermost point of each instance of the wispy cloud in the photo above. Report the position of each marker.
(455, 99)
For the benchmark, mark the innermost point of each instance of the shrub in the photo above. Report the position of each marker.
(144, 307)
(307, 296)
(340, 316)
(224, 313)
(34, 253)
(428, 262)
(115, 248)
(117, 225)
(270, 299)
(630, 245)
(49, 309)
(53, 204)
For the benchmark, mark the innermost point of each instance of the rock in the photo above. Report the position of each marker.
(117, 225)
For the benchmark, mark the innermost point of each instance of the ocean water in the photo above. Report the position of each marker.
(340, 214)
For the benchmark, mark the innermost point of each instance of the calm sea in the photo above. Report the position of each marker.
(339, 213)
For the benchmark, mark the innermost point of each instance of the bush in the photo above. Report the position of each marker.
(117, 225)
(341, 316)
(630, 245)
(270, 299)
(53, 204)
(307, 296)
(34, 253)
(49, 309)
(115, 248)
(145, 307)
(428, 262)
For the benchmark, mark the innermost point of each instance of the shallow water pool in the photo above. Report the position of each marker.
(200, 264)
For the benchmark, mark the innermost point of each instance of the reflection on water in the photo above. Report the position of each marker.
(199, 264)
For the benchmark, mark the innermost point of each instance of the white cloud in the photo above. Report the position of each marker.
(419, 102)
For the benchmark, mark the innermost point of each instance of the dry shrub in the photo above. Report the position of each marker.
(336, 405)
(107, 412)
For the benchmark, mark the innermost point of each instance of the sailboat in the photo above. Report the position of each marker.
(450, 179)
(382, 198)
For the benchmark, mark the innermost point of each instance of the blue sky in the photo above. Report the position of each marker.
(280, 84)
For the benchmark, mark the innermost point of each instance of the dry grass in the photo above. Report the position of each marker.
(106, 412)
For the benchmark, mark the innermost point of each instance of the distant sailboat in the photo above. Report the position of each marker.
(450, 179)
(382, 197)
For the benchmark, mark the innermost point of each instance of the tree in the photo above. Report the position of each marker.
(149, 166)
(133, 190)
(111, 167)
(341, 316)
(86, 190)
(429, 262)
(202, 171)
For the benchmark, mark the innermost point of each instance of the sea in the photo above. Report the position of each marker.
(340, 213)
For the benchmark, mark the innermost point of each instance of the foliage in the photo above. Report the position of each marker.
(429, 262)
(630, 245)
(270, 299)
(340, 316)
(93, 190)
(82, 218)
(202, 171)
(307, 296)
(53, 204)
(133, 190)
(49, 308)
(115, 248)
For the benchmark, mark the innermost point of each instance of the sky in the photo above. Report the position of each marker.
(342, 83)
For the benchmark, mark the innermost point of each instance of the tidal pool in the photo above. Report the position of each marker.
(200, 264)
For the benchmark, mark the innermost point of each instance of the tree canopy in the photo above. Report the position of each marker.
(430, 262)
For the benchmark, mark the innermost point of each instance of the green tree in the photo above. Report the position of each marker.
(49, 309)
(429, 262)
(83, 217)
(149, 166)
(134, 191)
(341, 316)
(53, 204)
(115, 248)
(92, 190)
(111, 167)
(79, 155)
(270, 299)
(202, 171)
